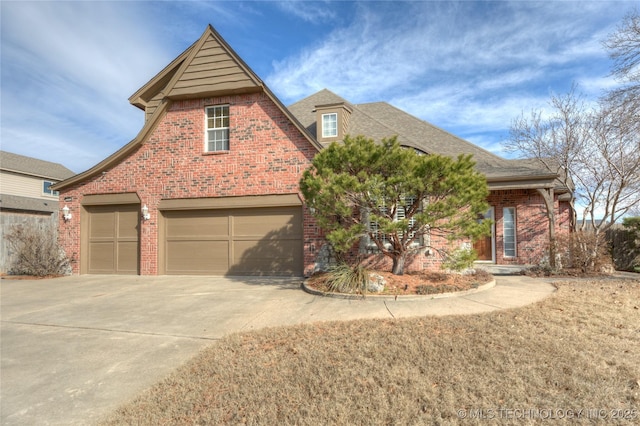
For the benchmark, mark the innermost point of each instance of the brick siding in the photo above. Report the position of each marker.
(267, 155)
(532, 226)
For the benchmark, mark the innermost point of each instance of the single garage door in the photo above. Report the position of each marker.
(113, 246)
(242, 241)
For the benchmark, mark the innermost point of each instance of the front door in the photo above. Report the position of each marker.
(484, 246)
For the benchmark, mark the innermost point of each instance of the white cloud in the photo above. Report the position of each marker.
(469, 67)
(309, 11)
(67, 71)
(494, 45)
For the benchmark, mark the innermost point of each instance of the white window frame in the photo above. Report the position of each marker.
(330, 125)
(509, 232)
(217, 136)
(373, 229)
(46, 189)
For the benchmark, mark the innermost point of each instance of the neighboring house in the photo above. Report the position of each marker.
(26, 197)
(210, 184)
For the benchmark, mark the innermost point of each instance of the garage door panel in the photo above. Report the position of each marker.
(128, 224)
(266, 257)
(127, 257)
(199, 224)
(273, 224)
(102, 225)
(240, 241)
(101, 258)
(197, 257)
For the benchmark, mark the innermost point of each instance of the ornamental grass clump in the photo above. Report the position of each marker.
(344, 278)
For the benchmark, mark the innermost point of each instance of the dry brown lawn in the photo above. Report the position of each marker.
(573, 357)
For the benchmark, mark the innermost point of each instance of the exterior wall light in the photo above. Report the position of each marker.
(65, 214)
(145, 213)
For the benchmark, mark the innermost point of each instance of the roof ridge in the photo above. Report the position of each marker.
(325, 90)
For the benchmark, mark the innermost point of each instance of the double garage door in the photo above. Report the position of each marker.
(258, 241)
(241, 241)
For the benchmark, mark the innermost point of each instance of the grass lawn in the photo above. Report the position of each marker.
(577, 350)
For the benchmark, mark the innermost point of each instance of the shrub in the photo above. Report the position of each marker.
(36, 252)
(626, 244)
(584, 250)
(344, 278)
(460, 259)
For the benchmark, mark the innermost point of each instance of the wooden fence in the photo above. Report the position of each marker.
(10, 219)
(625, 248)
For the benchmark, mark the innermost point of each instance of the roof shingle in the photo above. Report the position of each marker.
(380, 120)
(32, 166)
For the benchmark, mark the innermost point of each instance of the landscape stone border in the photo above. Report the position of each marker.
(348, 296)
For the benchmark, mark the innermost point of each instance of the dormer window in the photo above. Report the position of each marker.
(332, 121)
(329, 125)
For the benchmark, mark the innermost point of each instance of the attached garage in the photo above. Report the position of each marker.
(257, 236)
(111, 243)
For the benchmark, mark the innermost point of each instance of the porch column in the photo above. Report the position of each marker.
(547, 196)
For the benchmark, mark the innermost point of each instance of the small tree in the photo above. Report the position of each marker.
(407, 196)
(596, 150)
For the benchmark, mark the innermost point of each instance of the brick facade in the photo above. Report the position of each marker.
(532, 226)
(267, 155)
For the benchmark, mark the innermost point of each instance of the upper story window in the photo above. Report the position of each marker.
(329, 125)
(217, 128)
(46, 188)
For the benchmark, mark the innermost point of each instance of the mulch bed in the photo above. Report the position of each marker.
(412, 283)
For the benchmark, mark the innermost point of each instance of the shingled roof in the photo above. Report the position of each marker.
(380, 120)
(32, 166)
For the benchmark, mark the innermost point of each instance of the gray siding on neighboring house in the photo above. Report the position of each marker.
(23, 201)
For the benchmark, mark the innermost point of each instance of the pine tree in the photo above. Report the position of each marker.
(397, 198)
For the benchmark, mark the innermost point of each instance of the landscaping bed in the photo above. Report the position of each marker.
(415, 283)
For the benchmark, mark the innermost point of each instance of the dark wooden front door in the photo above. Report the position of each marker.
(483, 248)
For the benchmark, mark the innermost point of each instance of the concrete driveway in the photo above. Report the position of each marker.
(74, 348)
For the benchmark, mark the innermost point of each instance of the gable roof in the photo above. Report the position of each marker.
(380, 120)
(32, 166)
(209, 67)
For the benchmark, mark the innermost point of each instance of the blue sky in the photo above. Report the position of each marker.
(469, 67)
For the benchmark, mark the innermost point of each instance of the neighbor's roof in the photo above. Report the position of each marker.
(32, 166)
(380, 120)
(16, 202)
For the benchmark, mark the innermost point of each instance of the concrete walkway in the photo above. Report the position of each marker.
(74, 348)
